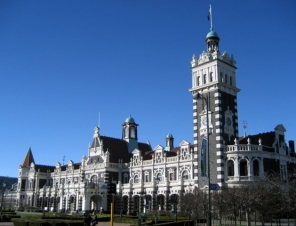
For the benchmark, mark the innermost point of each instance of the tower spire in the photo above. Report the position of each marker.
(28, 158)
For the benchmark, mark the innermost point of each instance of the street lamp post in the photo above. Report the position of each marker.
(156, 189)
(174, 201)
(3, 185)
(10, 199)
(199, 96)
(142, 196)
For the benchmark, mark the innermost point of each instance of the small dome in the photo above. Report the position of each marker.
(169, 135)
(212, 34)
(130, 120)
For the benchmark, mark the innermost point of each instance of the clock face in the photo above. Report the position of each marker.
(204, 121)
(228, 121)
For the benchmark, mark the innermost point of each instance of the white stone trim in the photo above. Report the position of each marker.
(220, 161)
(218, 116)
(218, 123)
(219, 153)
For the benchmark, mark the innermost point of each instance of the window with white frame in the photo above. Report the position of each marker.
(204, 79)
(172, 176)
(185, 175)
(136, 179)
(159, 176)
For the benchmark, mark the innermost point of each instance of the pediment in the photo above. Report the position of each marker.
(183, 143)
(159, 148)
(136, 151)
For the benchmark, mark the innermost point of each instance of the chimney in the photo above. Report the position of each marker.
(292, 146)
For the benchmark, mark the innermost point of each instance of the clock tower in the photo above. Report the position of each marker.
(214, 77)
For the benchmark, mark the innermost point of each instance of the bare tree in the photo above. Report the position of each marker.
(194, 204)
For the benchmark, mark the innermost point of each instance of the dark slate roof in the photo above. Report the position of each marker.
(76, 166)
(267, 139)
(28, 159)
(118, 149)
(44, 168)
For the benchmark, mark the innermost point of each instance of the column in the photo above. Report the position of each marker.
(129, 203)
(166, 201)
(236, 169)
(250, 170)
(180, 200)
(261, 167)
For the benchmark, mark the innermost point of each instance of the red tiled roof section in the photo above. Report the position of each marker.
(267, 139)
(28, 159)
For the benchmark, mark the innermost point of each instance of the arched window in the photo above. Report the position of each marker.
(158, 176)
(136, 179)
(230, 168)
(198, 80)
(256, 168)
(94, 179)
(211, 77)
(185, 175)
(204, 79)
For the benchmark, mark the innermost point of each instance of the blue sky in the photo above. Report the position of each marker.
(64, 62)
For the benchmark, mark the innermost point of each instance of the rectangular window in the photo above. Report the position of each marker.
(147, 178)
(125, 179)
(172, 176)
(23, 186)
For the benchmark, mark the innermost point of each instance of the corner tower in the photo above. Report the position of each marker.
(214, 77)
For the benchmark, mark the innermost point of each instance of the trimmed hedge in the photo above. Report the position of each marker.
(8, 217)
(40, 222)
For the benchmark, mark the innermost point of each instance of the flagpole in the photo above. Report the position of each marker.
(211, 17)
